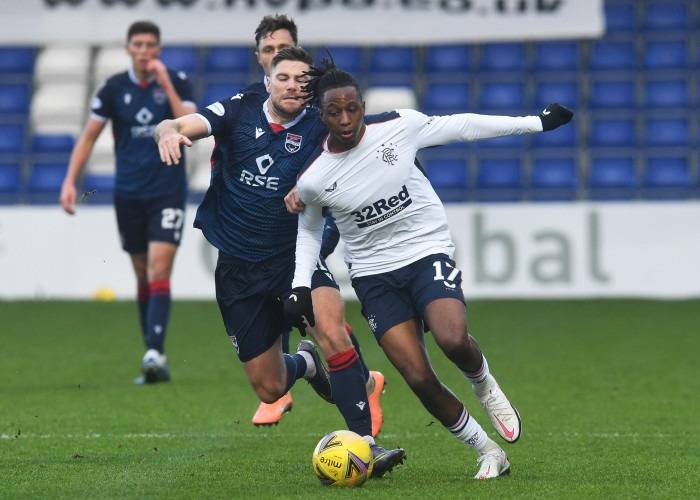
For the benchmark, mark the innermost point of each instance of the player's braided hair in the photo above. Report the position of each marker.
(325, 77)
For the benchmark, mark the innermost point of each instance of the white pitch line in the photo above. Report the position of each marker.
(256, 435)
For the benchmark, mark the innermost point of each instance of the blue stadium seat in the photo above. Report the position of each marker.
(666, 54)
(503, 57)
(228, 59)
(512, 142)
(502, 96)
(612, 179)
(667, 178)
(451, 59)
(445, 98)
(666, 93)
(100, 187)
(667, 132)
(392, 66)
(11, 138)
(620, 16)
(17, 60)
(554, 179)
(499, 180)
(9, 183)
(181, 58)
(350, 59)
(217, 91)
(449, 177)
(52, 143)
(666, 15)
(563, 137)
(612, 132)
(565, 93)
(45, 182)
(612, 94)
(607, 55)
(557, 56)
(14, 99)
(392, 60)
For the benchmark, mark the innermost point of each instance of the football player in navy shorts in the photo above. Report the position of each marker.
(398, 247)
(260, 148)
(149, 197)
(274, 33)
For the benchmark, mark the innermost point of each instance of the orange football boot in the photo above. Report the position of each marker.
(271, 414)
(375, 402)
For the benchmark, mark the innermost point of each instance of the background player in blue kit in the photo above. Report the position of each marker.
(273, 34)
(261, 146)
(149, 197)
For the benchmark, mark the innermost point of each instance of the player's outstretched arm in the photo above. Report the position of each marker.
(171, 134)
(79, 156)
(438, 130)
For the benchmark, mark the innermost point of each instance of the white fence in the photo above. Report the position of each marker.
(509, 250)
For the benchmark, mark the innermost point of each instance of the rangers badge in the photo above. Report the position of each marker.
(292, 143)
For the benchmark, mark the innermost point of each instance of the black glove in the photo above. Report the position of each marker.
(298, 308)
(555, 115)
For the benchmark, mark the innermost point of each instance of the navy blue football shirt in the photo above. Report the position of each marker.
(135, 109)
(253, 168)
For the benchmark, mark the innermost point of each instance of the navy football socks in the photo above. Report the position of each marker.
(349, 391)
(296, 368)
(158, 314)
(356, 344)
(142, 295)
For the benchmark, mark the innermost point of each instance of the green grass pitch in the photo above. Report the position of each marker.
(608, 392)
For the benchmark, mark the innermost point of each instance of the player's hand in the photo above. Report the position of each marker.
(159, 70)
(555, 115)
(299, 310)
(67, 197)
(169, 147)
(293, 201)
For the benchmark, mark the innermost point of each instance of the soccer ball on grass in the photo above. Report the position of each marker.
(342, 458)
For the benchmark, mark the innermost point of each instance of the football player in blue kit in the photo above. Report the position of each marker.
(149, 197)
(273, 34)
(260, 149)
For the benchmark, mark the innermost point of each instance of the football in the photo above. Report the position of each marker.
(342, 458)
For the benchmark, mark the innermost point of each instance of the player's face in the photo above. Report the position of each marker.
(343, 112)
(270, 45)
(285, 87)
(143, 47)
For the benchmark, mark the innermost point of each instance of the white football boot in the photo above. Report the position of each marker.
(154, 368)
(504, 417)
(493, 463)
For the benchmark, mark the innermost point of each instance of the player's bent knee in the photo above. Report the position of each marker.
(333, 340)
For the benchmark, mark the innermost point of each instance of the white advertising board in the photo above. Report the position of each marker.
(509, 250)
(357, 22)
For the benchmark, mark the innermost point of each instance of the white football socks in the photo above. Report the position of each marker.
(468, 431)
(480, 379)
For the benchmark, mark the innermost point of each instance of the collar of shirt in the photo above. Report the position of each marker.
(279, 127)
(133, 78)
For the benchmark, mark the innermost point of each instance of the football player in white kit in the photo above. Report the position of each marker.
(398, 247)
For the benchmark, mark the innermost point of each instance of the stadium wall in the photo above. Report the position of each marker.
(629, 249)
(364, 22)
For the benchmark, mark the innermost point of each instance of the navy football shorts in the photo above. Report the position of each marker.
(250, 297)
(141, 221)
(396, 296)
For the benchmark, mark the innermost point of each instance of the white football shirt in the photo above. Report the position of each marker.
(386, 209)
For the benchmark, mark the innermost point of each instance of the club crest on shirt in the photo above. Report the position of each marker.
(387, 153)
(292, 143)
(159, 96)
